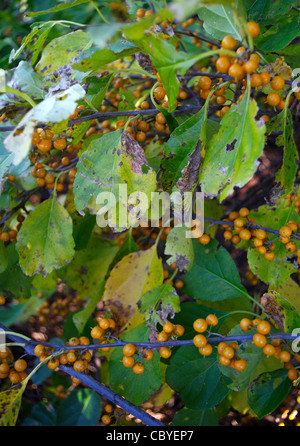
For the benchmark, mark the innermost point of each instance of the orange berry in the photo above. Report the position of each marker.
(263, 327)
(265, 77)
(284, 356)
(20, 365)
(168, 327)
(129, 350)
(165, 352)
(254, 29)
(60, 144)
(212, 319)
(200, 325)
(222, 64)
(259, 340)
(250, 66)
(273, 99)
(138, 368)
(245, 324)
(277, 83)
(199, 340)
(240, 364)
(229, 43)
(293, 374)
(223, 360)
(236, 71)
(178, 330)
(228, 352)
(128, 361)
(206, 350)
(269, 350)
(44, 145)
(205, 82)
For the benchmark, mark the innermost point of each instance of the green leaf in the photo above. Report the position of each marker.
(5, 159)
(3, 258)
(57, 8)
(10, 315)
(62, 50)
(231, 156)
(123, 381)
(213, 275)
(81, 408)
(40, 33)
(114, 160)
(189, 417)
(278, 270)
(105, 56)
(45, 241)
(82, 229)
(89, 267)
(55, 108)
(203, 386)
(287, 173)
(180, 248)
(219, 21)
(13, 282)
(277, 33)
(267, 391)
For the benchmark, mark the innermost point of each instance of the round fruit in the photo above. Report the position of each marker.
(138, 368)
(264, 327)
(212, 319)
(129, 350)
(245, 324)
(165, 352)
(254, 29)
(259, 340)
(199, 340)
(229, 43)
(206, 350)
(20, 365)
(200, 325)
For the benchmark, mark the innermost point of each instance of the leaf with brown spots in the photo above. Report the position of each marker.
(114, 160)
(232, 154)
(10, 401)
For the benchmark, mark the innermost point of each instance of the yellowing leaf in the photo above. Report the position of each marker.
(132, 277)
(290, 291)
(10, 401)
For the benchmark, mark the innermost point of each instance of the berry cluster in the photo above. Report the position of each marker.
(201, 325)
(15, 371)
(78, 358)
(103, 330)
(228, 356)
(243, 230)
(271, 348)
